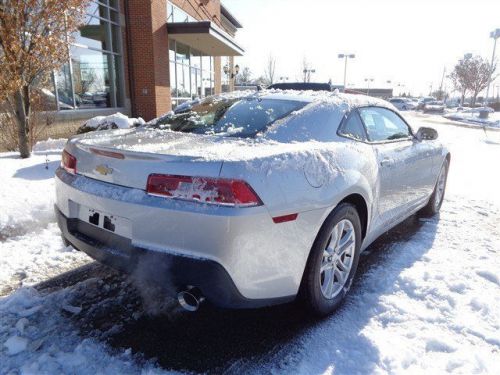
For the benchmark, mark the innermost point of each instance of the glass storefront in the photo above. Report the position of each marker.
(191, 73)
(93, 77)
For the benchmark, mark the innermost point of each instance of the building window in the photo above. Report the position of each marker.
(191, 73)
(176, 14)
(93, 78)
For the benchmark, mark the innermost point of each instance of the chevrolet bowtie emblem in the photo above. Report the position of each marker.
(103, 169)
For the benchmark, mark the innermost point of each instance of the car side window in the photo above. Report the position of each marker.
(352, 127)
(383, 124)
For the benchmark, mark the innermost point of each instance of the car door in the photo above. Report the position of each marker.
(400, 164)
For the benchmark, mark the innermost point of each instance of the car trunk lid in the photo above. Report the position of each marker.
(128, 157)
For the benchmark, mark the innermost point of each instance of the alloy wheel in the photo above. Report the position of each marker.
(338, 257)
(440, 187)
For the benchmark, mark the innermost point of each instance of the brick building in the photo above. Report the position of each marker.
(144, 57)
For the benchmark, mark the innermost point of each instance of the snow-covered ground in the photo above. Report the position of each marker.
(428, 302)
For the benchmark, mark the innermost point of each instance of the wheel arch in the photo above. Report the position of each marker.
(361, 206)
(359, 202)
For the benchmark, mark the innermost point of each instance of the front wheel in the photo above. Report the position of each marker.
(437, 197)
(333, 261)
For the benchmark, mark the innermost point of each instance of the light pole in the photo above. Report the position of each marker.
(400, 85)
(495, 35)
(368, 80)
(346, 56)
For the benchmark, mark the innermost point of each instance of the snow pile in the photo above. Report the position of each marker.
(471, 116)
(50, 146)
(48, 342)
(27, 219)
(116, 121)
(26, 193)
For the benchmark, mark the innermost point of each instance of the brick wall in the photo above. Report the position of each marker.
(147, 61)
(195, 9)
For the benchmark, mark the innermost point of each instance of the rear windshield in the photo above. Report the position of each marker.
(242, 117)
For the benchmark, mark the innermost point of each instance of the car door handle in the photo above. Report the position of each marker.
(386, 161)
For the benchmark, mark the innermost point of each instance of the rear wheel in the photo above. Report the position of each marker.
(333, 261)
(437, 197)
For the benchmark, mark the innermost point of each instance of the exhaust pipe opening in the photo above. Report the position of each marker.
(190, 299)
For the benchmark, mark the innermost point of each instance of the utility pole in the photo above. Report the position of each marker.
(442, 81)
(495, 35)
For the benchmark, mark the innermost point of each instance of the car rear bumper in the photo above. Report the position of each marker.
(263, 260)
(172, 271)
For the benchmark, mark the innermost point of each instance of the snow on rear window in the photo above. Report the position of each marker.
(238, 117)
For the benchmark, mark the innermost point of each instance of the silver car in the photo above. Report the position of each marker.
(249, 200)
(403, 104)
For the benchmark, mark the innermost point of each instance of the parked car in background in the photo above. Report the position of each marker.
(423, 101)
(434, 107)
(313, 86)
(403, 104)
(249, 200)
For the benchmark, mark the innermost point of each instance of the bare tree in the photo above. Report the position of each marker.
(245, 76)
(270, 69)
(459, 79)
(306, 70)
(34, 36)
(472, 75)
(480, 72)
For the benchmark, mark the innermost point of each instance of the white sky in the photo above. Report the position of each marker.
(408, 42)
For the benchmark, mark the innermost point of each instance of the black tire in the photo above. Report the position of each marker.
(432, 208)
(311, 293)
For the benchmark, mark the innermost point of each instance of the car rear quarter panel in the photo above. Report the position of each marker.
(311, 184)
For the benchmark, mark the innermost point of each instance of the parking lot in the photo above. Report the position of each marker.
(418, 290)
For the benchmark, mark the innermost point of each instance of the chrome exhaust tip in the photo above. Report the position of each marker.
(190, 299)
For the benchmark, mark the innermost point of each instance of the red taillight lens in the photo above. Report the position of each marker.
(68, 162)
(208, 190)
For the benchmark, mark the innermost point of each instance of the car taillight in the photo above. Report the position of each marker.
(68, 162)
(220, 191)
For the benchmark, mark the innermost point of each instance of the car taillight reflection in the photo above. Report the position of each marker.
(68, 162)
(227, 192)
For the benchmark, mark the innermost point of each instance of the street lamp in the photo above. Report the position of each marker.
(346, 56)
(495, 35)
(401, 86)
(368, 80)
(231, 73)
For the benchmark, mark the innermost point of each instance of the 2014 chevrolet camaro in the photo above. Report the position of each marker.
(249, 200)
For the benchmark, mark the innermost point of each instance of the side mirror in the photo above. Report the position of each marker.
(426, 134)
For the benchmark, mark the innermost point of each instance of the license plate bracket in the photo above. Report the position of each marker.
(105, 220)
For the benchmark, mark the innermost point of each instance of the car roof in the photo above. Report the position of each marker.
(326, 97)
